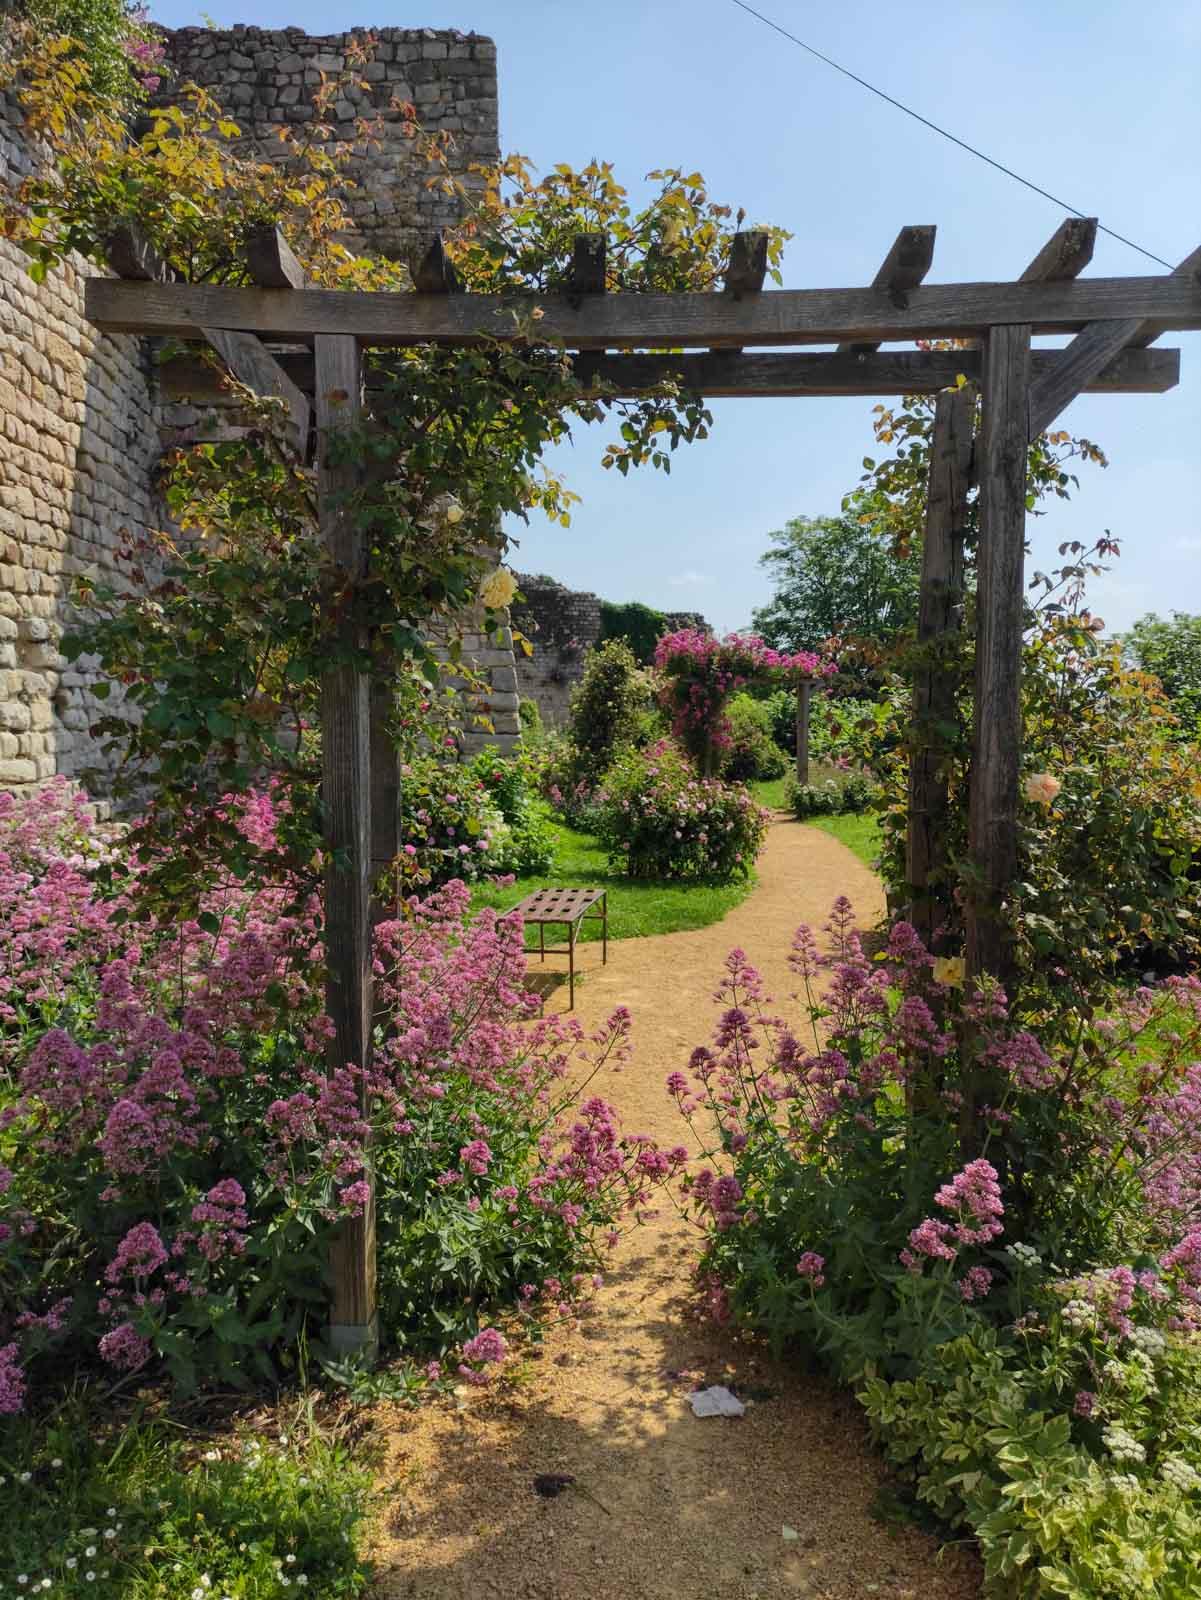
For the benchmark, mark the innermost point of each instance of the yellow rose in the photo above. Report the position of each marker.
(949, 971)
(498, 589)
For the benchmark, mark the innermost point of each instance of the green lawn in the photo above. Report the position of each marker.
(860, 833)
(636, 908)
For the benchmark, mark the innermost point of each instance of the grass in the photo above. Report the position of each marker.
(637, 907)
(860, 832)
(146, 1511)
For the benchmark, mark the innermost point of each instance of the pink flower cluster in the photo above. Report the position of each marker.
(701, 672)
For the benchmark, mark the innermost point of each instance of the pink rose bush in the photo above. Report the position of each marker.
(658, 819)
(700, 672)
(175, 1158)
(1045, 1284)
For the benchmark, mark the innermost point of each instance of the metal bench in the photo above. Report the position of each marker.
(549, 907)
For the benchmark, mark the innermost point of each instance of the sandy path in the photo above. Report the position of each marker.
(695, 1508)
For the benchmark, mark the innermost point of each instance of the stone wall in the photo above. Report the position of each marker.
(79, 415)
(77, 442)
(562, 625)
(266, 76)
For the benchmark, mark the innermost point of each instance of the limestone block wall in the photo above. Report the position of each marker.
(77, 443)
(266, 76)
(562, 625)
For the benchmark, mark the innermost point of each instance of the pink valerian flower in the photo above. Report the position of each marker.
(140, 1253)
(975, 1195)
(975, 1283)
(487, 1349)
(125, 1348)
(12, 1381)
(476, 1156)
(356, 1197)
(930, 1238)
(812, 1266)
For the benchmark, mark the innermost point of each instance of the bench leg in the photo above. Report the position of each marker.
(571, 927)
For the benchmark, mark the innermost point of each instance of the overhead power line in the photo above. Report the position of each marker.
(946, 134)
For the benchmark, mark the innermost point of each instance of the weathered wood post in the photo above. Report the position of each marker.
(803, 691)
(385, 798)
(346, 805)
(1000, 605)
(934, 689)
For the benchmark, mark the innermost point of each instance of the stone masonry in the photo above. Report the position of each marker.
(562, 625)
(79, 414)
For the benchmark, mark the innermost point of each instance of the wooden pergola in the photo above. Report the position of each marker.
(305, 345)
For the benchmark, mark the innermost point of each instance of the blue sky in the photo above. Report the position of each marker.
(1096, 100)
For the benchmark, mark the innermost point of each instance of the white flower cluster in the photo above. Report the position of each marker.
(1122, 1444)
(1114, 1372)
(1149, 1340)
(1177, 1471)
(1079, 1314)
(1025, 1255)
(1125, 1484)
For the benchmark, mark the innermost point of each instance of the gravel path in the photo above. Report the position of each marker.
(675, 1508)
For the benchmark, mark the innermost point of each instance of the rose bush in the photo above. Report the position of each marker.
(175, 1159)
(659, 820)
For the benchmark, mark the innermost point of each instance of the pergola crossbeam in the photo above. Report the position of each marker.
(588, 264)
(645, 321)
(434, 274)
(271, 261)
(904, 267)
(1066, 253)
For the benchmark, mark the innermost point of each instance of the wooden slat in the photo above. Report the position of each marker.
(747, 266)
(588, 264)
(774, 317)
(345, 800)
(906, 264)
(727, 374)
(131, 255)
(1090, 351)
(935, 688)
(271, 261)
(253, 365)
(434, 274)
(1066, 253)
(1000, 608)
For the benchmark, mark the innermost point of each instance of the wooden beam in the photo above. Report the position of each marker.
(927, 858)
(904, 267)
(271, 261)
(761, 376)
(1000, 611)
(434, 274)
(588, 264)
(804, 693)
(345, 801)
(747, 267)
(385, 797)
(774, 317)
(1066, 253)
(131, 255)
(253, 365)
(1093, 349)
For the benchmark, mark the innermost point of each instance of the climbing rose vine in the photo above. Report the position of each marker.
(700, 673)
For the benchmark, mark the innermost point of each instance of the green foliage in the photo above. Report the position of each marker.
(659, 820)
(1170, 649)
(845, 795)
(530, 718)
(639, 908)
(607, 707)
(836, 577)
(640, 626)
(985, 1438)
(120, 52)
(146, 1512)
(451, 826)
(751, 752)
(512, 786)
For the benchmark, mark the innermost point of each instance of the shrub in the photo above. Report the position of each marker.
(529, 846)
(751, 752)
(891, 1193)
(122, 53)
(640, 626)
(530, 718)
(450, 826)
(832, 797)
(659, 820)
(606, 706)
(175, 1159)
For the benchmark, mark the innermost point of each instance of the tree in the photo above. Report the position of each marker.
(836, 576)
(1171, 649)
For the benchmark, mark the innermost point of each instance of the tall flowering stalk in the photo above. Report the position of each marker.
(835, 1206)
(700, 672)
(175, 1157)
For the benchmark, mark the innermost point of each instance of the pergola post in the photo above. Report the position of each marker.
(997, 732)
(934, 689)
(385, 800)
(345, 798)
(803, 691)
